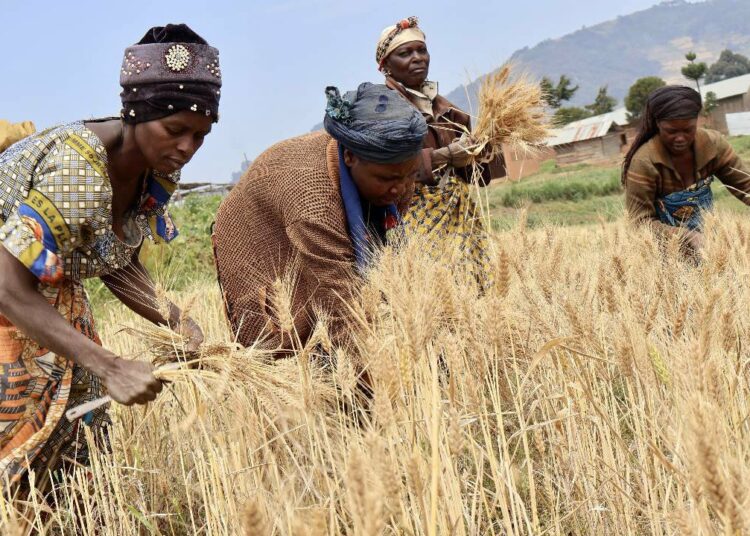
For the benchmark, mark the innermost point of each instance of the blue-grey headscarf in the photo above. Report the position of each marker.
(375, 123)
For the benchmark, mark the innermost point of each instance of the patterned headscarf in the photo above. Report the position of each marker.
(394, 36)
(170, 70)
(375, 123)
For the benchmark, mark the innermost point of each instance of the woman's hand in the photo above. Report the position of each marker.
(458, 154)
(694, 241)
(127, 382)
(189, 329)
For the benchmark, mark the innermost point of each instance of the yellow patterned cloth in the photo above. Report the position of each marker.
(56, 207)
(449, 218)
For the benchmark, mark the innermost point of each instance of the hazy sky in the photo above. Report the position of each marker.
(61, 60)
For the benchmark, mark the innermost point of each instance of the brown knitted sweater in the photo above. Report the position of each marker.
(285, 217)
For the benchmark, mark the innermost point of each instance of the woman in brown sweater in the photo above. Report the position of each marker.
(441, 207)
(309, 210)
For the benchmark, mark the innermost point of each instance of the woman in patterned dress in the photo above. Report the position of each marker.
(76, 202)
(442, 207)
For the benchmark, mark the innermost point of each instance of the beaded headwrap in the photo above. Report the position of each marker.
(394, 36)
(171, 69)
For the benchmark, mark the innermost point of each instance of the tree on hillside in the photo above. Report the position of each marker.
(548, 92)
(603, 103)
(568, 114)
(694, 71)
(728, 65)
(635, 100)
(710, 103)
(555, 95)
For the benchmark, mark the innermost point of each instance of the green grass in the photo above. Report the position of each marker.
(741, 144)
(572, 187)
(572, 195)
(561, 213)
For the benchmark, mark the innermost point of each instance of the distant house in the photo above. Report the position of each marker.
(594, 140)
(732, 96)
(603, 138)
(522, 164)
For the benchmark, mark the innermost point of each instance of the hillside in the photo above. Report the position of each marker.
(649, 42)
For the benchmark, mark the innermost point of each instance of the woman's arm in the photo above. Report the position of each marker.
(128, 382)
(134, 287)
(732, 171)
(640, 203)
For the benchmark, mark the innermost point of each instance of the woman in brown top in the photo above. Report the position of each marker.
(669, 169)
(442, 206)
(311, 209)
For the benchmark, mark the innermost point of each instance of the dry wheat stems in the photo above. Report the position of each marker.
(511, 112)
(562, 401)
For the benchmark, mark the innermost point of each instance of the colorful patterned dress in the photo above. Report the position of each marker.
(446, 213)
(450, 218)
(56, 219)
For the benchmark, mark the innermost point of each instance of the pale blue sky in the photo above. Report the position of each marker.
(60, 60)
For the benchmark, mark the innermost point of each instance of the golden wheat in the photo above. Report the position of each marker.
(599, 388)
(511, 113)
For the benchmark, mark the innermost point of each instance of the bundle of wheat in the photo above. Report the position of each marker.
(215, 367)
(511, 113)
(10, 133)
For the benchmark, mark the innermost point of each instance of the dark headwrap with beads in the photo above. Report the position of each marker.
(170, 70)
(663, 104)
(375, 123)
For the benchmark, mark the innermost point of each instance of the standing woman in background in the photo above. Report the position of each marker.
(76, 202)
(668, 171)
(442, 206)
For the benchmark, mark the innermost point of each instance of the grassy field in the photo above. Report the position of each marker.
(600, 386)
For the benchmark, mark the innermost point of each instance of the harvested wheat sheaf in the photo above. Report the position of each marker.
(511, 113)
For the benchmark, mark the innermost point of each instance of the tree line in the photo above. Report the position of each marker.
(555, 95)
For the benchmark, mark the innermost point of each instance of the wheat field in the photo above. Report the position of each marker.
(599, 387)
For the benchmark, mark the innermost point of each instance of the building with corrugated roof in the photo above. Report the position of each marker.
(594, 139)
(603, 138)
(732, 97)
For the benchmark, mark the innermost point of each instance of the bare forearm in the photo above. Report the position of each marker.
(29, 311)
(134, 287)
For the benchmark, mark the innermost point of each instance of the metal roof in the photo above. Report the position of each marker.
(597, 126)
(729, 87)
(570, 133)
(587, 129)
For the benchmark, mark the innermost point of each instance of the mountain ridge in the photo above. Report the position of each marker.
(617, 52)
